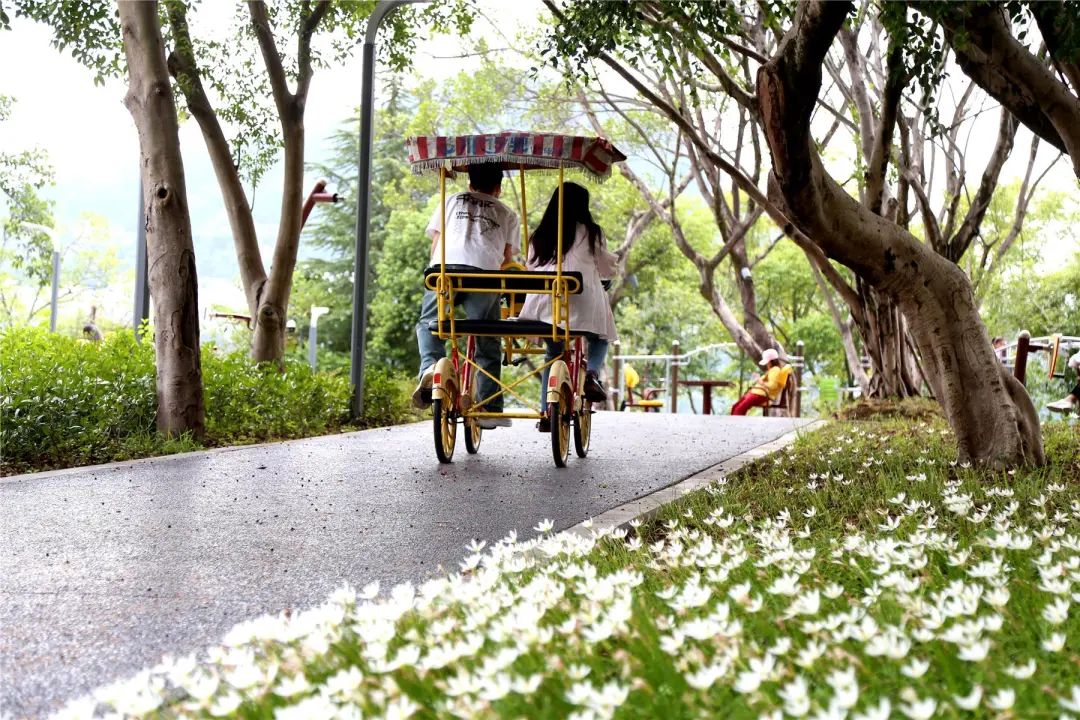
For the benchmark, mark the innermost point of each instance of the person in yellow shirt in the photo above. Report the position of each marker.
(768, 387)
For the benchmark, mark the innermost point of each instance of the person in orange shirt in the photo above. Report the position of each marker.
(768, 387)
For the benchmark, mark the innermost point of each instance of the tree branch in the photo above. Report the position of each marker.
(303, 50)
(183, 66)
(279, 84)
(958, 244)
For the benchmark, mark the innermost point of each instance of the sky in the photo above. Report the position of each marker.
(92, 145)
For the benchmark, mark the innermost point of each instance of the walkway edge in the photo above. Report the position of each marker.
(648, 506)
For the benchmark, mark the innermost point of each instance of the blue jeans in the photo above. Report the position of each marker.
(595, 354)
(478, 306)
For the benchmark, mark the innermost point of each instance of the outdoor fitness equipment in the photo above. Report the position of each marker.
(453, 392)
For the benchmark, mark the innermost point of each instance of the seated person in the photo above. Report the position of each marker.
(585, 251)
(768, 387)
(1072, 400)
(480, 234)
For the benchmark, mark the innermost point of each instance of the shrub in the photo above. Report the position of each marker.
(67, 402)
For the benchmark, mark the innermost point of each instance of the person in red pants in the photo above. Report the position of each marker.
(768, 387)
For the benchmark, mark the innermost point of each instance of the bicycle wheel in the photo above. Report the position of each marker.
(583, 429)
(561, 415)
(444, 416)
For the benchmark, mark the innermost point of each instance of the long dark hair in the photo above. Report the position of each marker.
(544, 240)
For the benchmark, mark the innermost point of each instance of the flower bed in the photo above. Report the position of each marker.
(860, 574)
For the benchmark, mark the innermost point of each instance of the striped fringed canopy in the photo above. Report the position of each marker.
(514, 150)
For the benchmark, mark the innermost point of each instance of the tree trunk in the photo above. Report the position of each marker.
(171, 257)
(268, 342)
(990, 413)
(883, 331)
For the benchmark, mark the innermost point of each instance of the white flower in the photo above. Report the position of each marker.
(787, 584)
(344, 681)
(796, 698)
(544, 526)
(760, 670)
(1002, 700)
(289, 686)
(916, 668)
(1072, 704)
(919, 709)
(881, 711)
(810, 654)
(971, 700)
(1056, 612)
(707, 676)
(400, 708)
(578, 672)
(845, 688)
(225, 704)
(1021, 672)
(1054, 643)
(976, 651)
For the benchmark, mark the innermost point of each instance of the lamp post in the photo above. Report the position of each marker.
(383, 9)
(316, 313)
(55, 269)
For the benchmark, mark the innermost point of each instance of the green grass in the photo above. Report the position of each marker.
(67, 402)
(859, 573)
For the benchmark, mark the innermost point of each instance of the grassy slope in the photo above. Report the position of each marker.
(858, 574)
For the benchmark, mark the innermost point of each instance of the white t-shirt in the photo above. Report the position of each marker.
(478, 229)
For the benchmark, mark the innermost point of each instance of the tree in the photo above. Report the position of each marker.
(990, 412)
(992, 416)
(170, 254)
(227, 93)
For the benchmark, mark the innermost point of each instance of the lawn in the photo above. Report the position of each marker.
(860, 573)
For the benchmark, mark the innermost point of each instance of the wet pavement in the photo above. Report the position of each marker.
(105, 569)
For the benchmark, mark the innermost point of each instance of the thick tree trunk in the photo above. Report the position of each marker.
(994, 420)
(171, 257)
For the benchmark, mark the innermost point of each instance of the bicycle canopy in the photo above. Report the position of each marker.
(512, 151)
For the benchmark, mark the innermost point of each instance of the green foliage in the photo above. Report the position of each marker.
(69, 402)
(90, 31)
(22, 176)
(1041, 303)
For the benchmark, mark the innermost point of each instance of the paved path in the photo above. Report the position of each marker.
(105, 569)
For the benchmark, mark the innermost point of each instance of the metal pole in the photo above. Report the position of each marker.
(674, 377)
(55, 288)
(1023, 340)
(800, 363)
(363, 205)
(142, 294)
(616, 379)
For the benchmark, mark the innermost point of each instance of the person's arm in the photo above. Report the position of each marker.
(508, 253)
(607, 262)
(432, 231)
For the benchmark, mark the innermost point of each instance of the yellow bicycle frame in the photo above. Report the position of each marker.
(559, 287)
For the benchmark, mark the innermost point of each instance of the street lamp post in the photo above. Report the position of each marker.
(55, 270)
(383, 9)
(316, 313)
